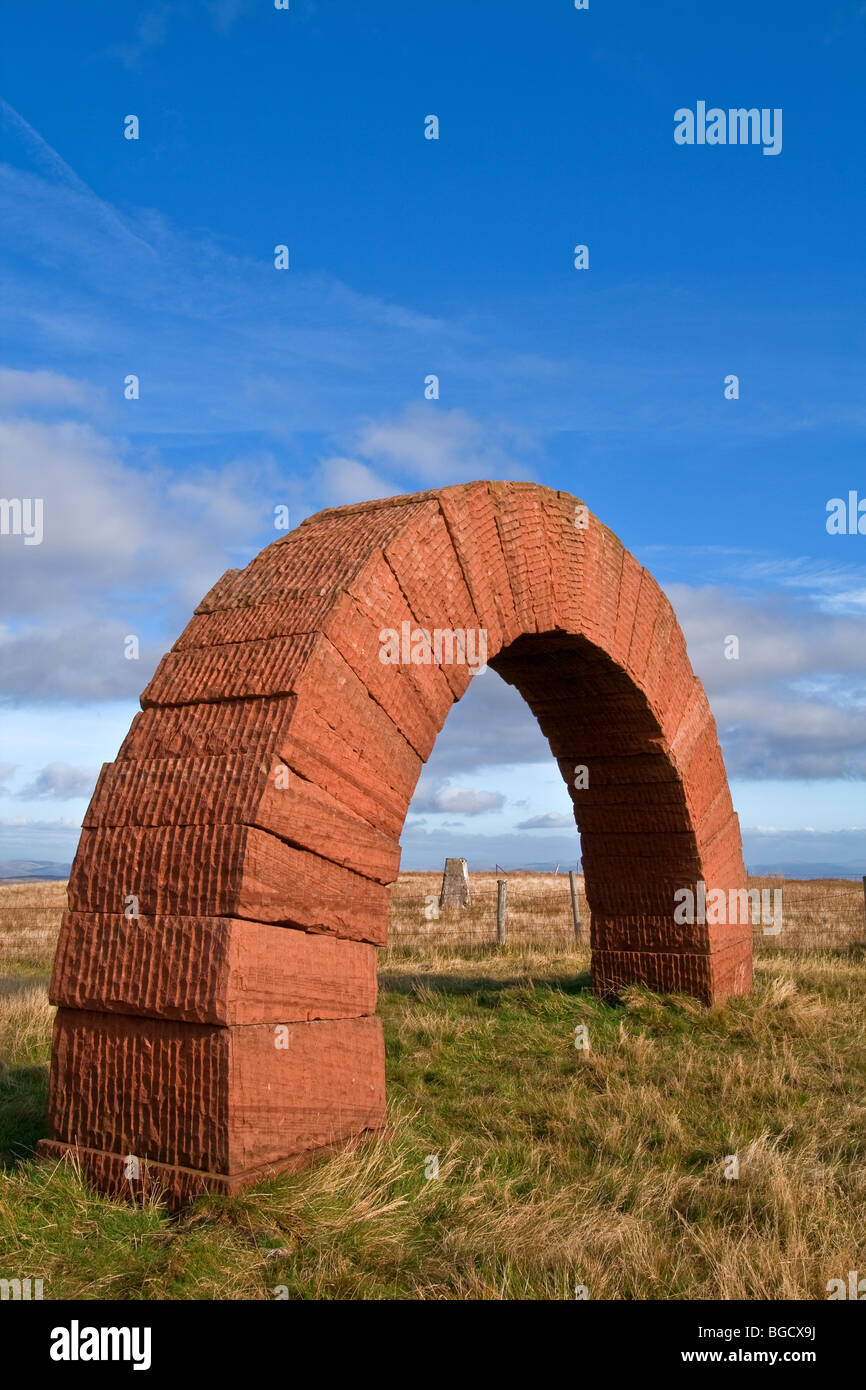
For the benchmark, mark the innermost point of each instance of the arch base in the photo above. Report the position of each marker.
(175, 1186)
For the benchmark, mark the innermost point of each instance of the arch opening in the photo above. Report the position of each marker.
(639, 846)
(216, 969)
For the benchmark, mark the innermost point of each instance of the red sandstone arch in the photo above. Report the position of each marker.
(263, 905)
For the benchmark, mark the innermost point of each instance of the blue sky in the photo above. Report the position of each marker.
(409, 256)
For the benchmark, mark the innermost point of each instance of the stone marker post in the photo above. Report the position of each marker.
(455, 884)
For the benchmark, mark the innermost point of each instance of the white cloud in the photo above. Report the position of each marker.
(553, 820)
(344, 481)
(780, 635)
(437, 446)
(79, 659)
(793, 704)
(129, 547)
(448, 799)
(21, 390)
(60, 782)
(423, 447)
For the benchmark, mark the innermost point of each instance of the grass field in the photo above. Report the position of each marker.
(557, 1167)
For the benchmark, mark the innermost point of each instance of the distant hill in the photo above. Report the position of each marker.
(805, 870)
(32, 869)
(47, 869)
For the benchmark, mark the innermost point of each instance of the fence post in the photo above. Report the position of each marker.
(501, 891)
(575, 905)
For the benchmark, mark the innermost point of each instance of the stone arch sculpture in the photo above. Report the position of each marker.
(216, 969)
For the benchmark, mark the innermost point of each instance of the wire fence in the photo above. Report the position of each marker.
(816, 914)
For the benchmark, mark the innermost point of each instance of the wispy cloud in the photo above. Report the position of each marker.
(423, 447)
(60, 183)
(59, 781)
(444, 446)
(223, 342)
(153, 24)
(52, 391)
(552, 820)
(150, 33)
(220, 342)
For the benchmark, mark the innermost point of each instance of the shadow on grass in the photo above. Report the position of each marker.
(23, 1106)
(475, 984)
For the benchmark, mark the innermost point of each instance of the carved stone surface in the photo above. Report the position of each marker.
(232, 880)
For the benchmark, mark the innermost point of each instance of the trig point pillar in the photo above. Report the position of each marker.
(455, 884)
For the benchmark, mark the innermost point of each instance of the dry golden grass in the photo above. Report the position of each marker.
(29, 922)
(818, 914)
(539, 911)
